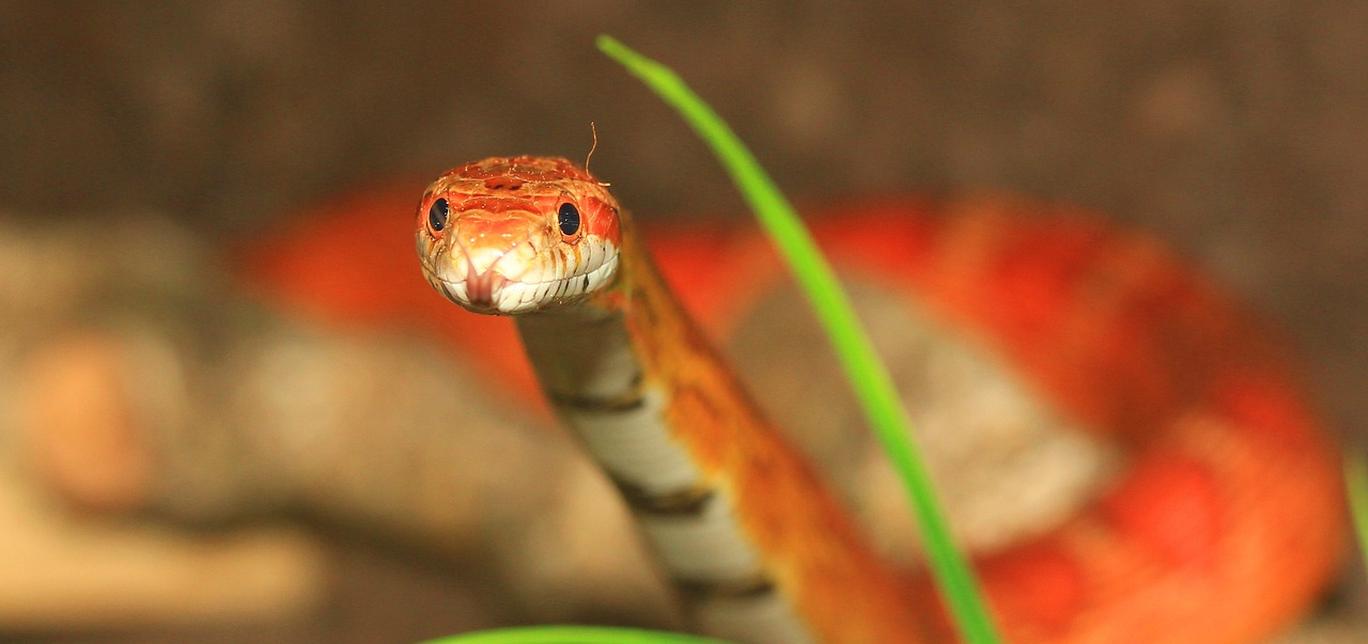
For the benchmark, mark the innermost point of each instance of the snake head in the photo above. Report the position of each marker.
(511, 235)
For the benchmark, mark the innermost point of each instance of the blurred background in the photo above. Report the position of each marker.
(141, 141)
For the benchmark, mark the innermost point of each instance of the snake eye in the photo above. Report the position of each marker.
(569, 218)
(437, 215)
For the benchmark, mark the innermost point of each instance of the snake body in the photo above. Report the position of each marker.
(757, 546)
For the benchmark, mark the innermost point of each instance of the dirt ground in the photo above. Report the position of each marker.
(1234, 130)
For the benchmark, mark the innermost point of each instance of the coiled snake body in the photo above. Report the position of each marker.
(1223, 527)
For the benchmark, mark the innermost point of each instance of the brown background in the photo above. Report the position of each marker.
(1237, 131)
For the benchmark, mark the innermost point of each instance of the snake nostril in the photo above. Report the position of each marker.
(502, 183)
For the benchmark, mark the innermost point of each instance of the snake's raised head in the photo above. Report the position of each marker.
(511, 235)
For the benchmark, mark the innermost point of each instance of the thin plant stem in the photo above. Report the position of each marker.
(867, 374)
(573, 635)
(1356, 484)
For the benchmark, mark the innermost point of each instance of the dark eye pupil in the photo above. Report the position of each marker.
(437, 214)
(569, 218)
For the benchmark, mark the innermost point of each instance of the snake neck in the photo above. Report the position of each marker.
(750, 537)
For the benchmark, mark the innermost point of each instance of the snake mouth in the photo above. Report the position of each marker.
(481, 289)
(493, 293)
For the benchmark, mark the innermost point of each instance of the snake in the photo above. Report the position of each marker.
(1223, 526)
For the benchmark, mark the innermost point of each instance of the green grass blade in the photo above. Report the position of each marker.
(1356, 483)
(573, 635)
(870, 379)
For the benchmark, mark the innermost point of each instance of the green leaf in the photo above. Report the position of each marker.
(573, 635)
(862, 367)
(1356, 483)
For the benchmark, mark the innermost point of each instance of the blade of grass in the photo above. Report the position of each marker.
(1356, 483)
(573, 635)
(868, 376)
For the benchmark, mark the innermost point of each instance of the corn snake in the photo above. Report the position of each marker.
(1222, 528)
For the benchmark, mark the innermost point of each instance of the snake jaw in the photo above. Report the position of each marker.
(515, 271)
